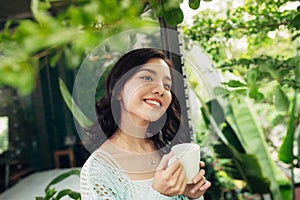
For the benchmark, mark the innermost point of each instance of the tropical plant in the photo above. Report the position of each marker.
(82, 120)
(52, 194)
(264, 68)
(243, 148)
(68, 30)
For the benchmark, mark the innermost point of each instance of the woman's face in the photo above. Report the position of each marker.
(147, 94)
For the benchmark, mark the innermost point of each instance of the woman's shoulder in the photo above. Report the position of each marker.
(101, 158)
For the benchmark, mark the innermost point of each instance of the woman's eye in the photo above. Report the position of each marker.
(167, 86)
(147, 78)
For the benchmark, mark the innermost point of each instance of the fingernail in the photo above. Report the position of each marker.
(202, 187)
(195, 180)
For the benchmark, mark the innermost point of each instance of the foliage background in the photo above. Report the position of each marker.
(255, 45)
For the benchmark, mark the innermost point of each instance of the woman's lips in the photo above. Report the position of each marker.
(153, 102)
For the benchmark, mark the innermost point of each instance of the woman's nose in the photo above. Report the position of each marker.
(158, 88)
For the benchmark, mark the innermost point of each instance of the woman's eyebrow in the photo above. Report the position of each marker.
(154, 73)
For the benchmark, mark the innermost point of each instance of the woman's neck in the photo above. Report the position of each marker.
(132, 128)
(133, 143)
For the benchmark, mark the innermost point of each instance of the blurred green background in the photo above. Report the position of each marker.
(252, 120)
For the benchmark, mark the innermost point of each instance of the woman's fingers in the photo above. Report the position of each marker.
(199, 176)
(178, 180)
(197, 186)
(174, 169)
(206, 185)
(202, 164)
(182, 181)
(199, 180)
(170, 179)
(165, 160)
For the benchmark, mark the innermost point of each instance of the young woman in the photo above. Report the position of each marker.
(137, 123)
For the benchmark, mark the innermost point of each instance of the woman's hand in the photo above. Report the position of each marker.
(169, 180)
(199, 185)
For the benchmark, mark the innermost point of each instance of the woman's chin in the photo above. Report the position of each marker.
(154, 118)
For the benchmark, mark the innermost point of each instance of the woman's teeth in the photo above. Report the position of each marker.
(153, 102)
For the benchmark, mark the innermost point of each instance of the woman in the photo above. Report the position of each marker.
(138, 121)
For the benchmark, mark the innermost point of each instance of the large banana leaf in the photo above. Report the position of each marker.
(286, 149)
(215, 110)
(244, 167)
(254, 143)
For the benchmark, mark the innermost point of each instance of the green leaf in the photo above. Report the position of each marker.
(253, 140)
(241, 91)
(216, 111)
(55, 58)
(259, 185)
(194, 4)
(295, 36)
(282, 102)
(245, 167)
(297, 72)
(173, 16)
(38, 9)
(220, 91)
(193, 83)
(156, 8)
(70, 193)
(252, 77)
(268, 67)
(255, 94)
(232, 137)
(73, 59)
(210, 121)
(18, 72)
(227, 151)
(62, 177)
(286, 150)
(50, 193)
(296, 22)
(77, 113)
(235, 83)
(60, 36)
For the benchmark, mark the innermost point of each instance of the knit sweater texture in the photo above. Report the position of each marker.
(101, 179)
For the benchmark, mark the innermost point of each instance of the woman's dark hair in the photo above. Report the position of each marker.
(106, 107)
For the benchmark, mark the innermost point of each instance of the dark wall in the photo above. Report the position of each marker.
(53, 119)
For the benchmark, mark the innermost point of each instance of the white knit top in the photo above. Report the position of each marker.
(145, 183)
(100, 179)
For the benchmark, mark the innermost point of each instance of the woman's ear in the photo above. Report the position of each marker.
(120, 95)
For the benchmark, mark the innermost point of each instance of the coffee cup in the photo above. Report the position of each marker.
(189, 156)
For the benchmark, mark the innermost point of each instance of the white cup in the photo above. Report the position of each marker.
(189, 156)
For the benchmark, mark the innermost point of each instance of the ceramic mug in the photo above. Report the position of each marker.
(189, 156)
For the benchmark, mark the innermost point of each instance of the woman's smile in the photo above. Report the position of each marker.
(156, 103)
